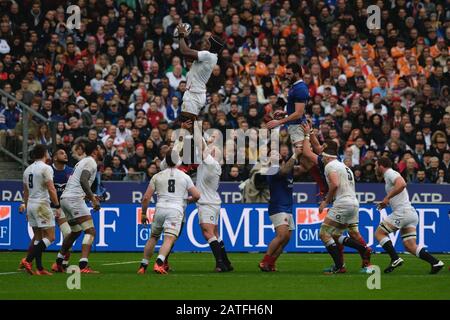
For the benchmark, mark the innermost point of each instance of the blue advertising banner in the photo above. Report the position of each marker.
(244, 228)
(304, 193)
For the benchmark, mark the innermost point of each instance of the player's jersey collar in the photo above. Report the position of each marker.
(297, 82)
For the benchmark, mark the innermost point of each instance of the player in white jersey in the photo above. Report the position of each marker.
(344, 211)
(403, 217)
(194, 98)
(172, 187)
(38, 189)
(208, 178)
(313, 152)
(204, 62)
(73, 202)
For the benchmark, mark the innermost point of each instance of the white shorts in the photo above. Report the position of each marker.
(208, 213)
(193, 102)
(281, 219)
(40, 215)
(344, 214)
(296, 133)
(168, 220)
(74, 208)
(403, 218)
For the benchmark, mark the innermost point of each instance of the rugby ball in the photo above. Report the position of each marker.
(188, 28)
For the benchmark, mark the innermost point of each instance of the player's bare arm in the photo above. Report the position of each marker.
(26, 194)
(84, 182)
(299, 111)
(333, 183)
(184, 48)
(53, 196)
(307, 151)
(145, 202)
(194, 195)
(399, 186)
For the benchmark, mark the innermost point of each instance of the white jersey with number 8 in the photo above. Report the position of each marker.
(171, 186)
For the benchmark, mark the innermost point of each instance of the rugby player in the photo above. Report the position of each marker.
(172, 187)
(78, 214)
(312, 150)
(294, 116)
(344, 211)
(280, 208)
(38, 188)
(403, 217)
(61, 173)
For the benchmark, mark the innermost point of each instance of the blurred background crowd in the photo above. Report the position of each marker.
(120, 78)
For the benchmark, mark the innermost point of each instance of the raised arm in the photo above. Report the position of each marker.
(184, 48)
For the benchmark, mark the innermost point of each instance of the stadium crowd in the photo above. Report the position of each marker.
(120, 78)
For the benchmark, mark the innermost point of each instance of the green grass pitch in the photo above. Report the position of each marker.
(299, 277)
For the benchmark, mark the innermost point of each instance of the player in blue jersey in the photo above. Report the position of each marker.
(280, 208)
(311, 147)
(294, 116)
(298, 96)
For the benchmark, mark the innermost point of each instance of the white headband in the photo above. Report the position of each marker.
(328, 155)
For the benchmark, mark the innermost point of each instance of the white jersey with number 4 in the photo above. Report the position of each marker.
(171, 186)
(200, 72)
(345, 193)
(208, 177)
(402, 199)
(36, 177)
(73, 186)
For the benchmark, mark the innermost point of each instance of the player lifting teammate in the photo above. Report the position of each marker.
(312, 150)
(344, 211)
(403, 217)
(73, 202)
(38, 187)
(172, 187)
(280, 208)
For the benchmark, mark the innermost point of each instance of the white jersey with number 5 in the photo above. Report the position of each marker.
(402, 199)
(200, 72)
(345, 193)
(171, 186)
(73, 186)
(36, 177)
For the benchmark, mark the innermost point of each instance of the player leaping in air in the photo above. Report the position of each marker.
(294, 115)
(312, 150)
(194, 99)
(403, 217)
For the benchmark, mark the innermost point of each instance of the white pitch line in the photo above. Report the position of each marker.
(118, 263)
(6, 273)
